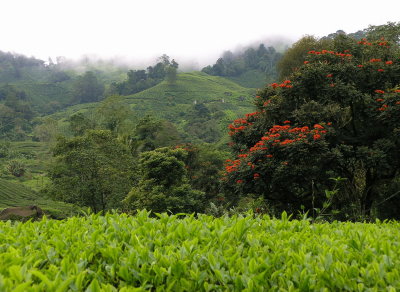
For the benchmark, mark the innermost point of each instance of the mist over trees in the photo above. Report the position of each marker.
(139, 80)
(261, 59)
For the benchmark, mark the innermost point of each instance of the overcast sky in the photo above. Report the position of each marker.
(183, 29)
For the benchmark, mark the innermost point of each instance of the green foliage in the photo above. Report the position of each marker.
(79, 123)
(93, 170)
(4, 148)
(46, 131)
(87, 88)
(389, 31)
(204, 164)
(295, 56)
(151, 133)
(143, 253)
(171, 75)
(139, 80)
(15, 113)
(112, 114)
(16, 168)
(163, 184)
(337, 116)
(261, 62)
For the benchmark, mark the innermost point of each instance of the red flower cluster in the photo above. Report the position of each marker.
(364, 42)
(389, 62)
(381, 70)
(379, 91)
(329, 76)
(267, 102)
(375, 60)
(383, 108)
(232, 165)
(323, 52)
(241, 124)
(285, 84)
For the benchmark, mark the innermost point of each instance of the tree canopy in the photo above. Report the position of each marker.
(93, 170)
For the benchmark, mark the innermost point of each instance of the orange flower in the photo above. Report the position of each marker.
(306, 62)
(389, 62)
(286, 122)
(329, 75)
(360, 66)
(318, 126)
(317, 136)
(380, 70)
(379, 91)
(379, 99)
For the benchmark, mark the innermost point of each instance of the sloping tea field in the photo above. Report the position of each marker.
(170, 253)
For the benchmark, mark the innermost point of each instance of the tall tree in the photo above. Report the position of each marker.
(164, 185)
(93, 170)
(88, 88)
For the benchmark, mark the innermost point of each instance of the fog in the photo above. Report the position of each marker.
(195, 33)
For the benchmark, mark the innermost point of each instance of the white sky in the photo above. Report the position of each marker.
(199, 30)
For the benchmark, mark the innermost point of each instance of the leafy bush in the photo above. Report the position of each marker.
(4, 149)
(16, 168)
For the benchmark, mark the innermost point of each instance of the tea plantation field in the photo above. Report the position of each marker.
(170, 253)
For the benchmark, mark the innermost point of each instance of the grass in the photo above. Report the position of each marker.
(14, 194)
(251, 79)
(175, 253)
(35, 156)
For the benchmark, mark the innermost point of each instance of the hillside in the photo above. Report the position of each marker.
(200, 105)
(14, 195)
(195, 99)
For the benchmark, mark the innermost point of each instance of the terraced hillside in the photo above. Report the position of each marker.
(195, 99)
(14, 195)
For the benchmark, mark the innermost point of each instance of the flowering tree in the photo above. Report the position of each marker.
(337, 116)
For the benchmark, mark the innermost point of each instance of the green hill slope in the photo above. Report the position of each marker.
(196, 100)
(47, 97)
(221, 101)
(14, 195)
